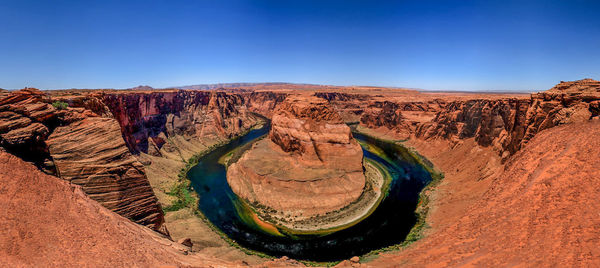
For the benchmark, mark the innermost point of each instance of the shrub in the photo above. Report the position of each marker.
(60, 105)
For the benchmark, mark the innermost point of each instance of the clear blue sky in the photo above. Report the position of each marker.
(448, 45)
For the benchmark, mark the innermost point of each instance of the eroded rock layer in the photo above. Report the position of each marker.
(504, 123)
(309, 164)
(91, 153)
(79, 145)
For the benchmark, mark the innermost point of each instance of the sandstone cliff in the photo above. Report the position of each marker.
(506, 124)
(148, 119)
(91, 153)
(309, 165)
(80, 146)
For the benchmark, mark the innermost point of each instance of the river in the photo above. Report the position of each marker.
(387, 225)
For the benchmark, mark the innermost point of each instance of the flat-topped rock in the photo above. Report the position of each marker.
(309, 164)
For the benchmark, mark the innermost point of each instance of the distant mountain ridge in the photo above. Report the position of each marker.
(238, 85)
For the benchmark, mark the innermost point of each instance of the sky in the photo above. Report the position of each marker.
(437, 45)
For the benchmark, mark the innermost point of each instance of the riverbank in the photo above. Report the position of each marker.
(168, 177)
(422, 211)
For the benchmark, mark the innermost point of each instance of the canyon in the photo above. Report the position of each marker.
(520, 176)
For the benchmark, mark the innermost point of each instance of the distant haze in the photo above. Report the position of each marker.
(438, 45)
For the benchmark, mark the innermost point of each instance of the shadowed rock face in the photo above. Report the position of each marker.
(309, 165)
(148, 119)
(506, 124)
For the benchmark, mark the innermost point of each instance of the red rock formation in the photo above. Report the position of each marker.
(386, 113)
(264, 102)
(506, 124)
(78, 145)
(91, 153)
(311, 129)
(500, 123)
(148, 118)
(309, 165)
(350, 106)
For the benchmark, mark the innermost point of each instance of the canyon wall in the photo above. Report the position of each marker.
(148, 120)
(81, 144)
(506, 124)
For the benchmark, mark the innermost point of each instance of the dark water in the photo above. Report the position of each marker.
(388, 225)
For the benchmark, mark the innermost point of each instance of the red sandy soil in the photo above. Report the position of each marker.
(48, 222)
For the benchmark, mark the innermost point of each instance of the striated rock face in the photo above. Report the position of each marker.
(147, 119)
(180, 123)
(263, 102)
(309, 165)
(92, 154)
(385, 113)
(501, 123)
(25, 123)
(312, 130)
(508, 124)
(401, 117)
(80, 146)
(350, 106)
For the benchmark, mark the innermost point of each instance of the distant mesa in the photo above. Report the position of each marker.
(141, 88)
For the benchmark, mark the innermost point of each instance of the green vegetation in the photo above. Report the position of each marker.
(60, 105)
(186, 197)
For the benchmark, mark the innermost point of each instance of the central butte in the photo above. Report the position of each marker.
(309, 165)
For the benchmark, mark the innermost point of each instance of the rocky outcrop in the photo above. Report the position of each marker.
(79, 145)
(147, 120)
(92, 154)
(403, 118)
(386, 113)
(263, 102)
(506, 124)
(25, 123)
(501, 123)
(349, 106)
(309, 165)
(312, 130)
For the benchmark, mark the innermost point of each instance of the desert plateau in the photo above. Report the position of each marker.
(402, 133)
